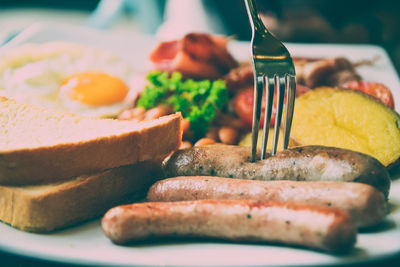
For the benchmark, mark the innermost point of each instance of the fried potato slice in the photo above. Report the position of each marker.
(347, 119)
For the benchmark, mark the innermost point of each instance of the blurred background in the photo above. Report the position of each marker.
(304, 21)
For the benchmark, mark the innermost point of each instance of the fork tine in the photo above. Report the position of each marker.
(269, 100)
(258, 92)
(290, 100)
(270, 59)
(280, 87)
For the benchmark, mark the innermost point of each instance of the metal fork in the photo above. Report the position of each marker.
(273, 70)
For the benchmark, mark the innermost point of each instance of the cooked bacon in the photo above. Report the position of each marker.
(207, 48)
(196, 55)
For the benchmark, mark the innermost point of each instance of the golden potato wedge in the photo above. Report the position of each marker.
(347, 119)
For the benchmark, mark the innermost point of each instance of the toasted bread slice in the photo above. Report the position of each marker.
(38, 145)
(44, 208)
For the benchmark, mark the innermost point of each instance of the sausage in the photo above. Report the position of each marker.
(365, 204)
(322, 228)
(328, 71)
(307, 163)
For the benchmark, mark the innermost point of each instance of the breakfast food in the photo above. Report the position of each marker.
(198, 101)
(325, 71)
(375, 89)
(67, 169)
(241, 220)
(45, 208)
(308, 163)
(67, 77)
(246, 140)
(195, 55)
(347, 119)
(204, 56)
(42, 146)
(243, 103)
(365, 204)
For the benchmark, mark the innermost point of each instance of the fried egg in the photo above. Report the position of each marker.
(68, 77)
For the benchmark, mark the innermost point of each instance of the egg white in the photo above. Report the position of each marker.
(33, 73)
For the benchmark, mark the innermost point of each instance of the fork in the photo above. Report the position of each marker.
(273, 70)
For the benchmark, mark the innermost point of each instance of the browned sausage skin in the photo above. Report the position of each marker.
(240, 220)
(307, 163)
(365, 204)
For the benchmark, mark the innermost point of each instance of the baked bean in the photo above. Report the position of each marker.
(125, 115)
(187, 134)
(212, 133)
(230, 121)
(185, 144)
(156, 112)
(205, 141)
(228, 135)
(134, 113)
(185, 124)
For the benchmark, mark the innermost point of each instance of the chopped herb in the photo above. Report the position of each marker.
(198, 101)
(248, 216)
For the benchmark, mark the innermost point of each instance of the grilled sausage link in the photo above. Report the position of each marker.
(365, 204)
(241, 220)
(307, 163)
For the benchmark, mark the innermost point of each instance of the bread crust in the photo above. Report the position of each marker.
(50, 164)
(45, 208)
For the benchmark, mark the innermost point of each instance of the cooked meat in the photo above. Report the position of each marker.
(241, 220)
(328, 71)
(240, 77)
(196, 55)
(307, 163)
(309, 72)
(365, 204)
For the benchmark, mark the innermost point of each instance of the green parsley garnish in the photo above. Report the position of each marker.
(198, 101)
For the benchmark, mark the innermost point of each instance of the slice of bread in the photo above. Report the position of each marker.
(39, 145)
(44, 208)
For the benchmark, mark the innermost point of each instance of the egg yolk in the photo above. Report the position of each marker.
(96, 89)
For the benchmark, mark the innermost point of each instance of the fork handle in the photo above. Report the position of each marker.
(254, 17)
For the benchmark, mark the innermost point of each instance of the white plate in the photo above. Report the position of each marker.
(86, 244)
